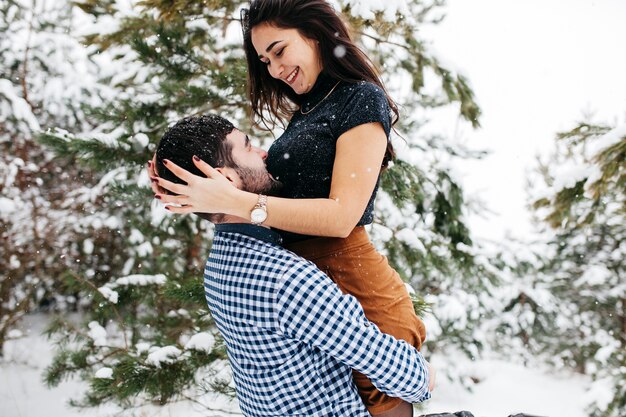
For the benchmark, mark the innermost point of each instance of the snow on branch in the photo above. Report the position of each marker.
(164, 355)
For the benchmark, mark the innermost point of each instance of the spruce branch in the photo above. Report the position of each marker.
(379, 40)
(113, 306)
(90, 152)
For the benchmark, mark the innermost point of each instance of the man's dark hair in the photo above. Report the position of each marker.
(203, 136)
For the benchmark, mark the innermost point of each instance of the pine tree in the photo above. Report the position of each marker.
(149, 337)
(45, 78)
(585, 205)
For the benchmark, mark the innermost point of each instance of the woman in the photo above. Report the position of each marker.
(305, 69)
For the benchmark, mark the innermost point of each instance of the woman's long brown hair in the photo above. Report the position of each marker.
(272, 100)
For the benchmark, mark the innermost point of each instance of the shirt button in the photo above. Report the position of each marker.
(366, 323)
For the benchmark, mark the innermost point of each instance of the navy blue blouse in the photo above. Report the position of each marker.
(302, 157)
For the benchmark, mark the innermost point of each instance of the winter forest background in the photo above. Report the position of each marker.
(88, 87)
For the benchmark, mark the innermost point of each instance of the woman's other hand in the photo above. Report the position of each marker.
(432, 372)
(153, 174)
(199, 194)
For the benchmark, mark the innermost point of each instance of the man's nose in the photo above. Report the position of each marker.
(261, 152)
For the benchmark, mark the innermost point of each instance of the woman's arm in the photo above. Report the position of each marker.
(358, 159)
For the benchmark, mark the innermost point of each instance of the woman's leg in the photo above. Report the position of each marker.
(404, 409)
(358, 269)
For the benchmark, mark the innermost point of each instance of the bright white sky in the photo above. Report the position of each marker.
(536, 67)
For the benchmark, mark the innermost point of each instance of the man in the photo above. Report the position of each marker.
(292, 337)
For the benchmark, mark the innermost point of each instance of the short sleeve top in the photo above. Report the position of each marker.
(302, 157)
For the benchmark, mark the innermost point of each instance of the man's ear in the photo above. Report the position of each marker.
(230, 174)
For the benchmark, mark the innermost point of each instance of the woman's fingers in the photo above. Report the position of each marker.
(178, 203)
(207, 169)
(169, 186)
(181, 173)
(151, 169)
(182, 200)
(181, 203)
(155, 187)
(180, 210)
(153, 174)
(196, 194)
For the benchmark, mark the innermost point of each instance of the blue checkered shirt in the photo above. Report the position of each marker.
(292, 337)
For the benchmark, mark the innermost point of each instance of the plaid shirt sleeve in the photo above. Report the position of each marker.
(312, 309)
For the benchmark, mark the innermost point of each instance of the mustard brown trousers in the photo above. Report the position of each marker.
(360, 270)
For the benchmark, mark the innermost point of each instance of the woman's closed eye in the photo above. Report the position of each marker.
(278, 54)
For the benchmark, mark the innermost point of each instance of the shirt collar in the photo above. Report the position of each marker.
(320, 89)
(252, 230)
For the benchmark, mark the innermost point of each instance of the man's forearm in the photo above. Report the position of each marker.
(315, 311)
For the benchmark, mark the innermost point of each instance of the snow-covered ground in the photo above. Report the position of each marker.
(506, 388)
(503, 388)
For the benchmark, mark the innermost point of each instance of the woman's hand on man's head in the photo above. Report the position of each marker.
(197, 194)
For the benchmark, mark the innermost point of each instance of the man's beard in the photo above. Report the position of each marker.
(258, 181)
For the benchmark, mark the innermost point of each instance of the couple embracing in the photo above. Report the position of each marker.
(315, 321)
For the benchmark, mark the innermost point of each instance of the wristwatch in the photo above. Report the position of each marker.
(258, 214)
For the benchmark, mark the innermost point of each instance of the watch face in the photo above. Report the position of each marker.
(258, 215)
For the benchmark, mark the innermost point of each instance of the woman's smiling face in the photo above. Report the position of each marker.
(289, 56)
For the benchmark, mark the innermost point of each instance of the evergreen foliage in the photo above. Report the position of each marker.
(45, 78)
(585, 205)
